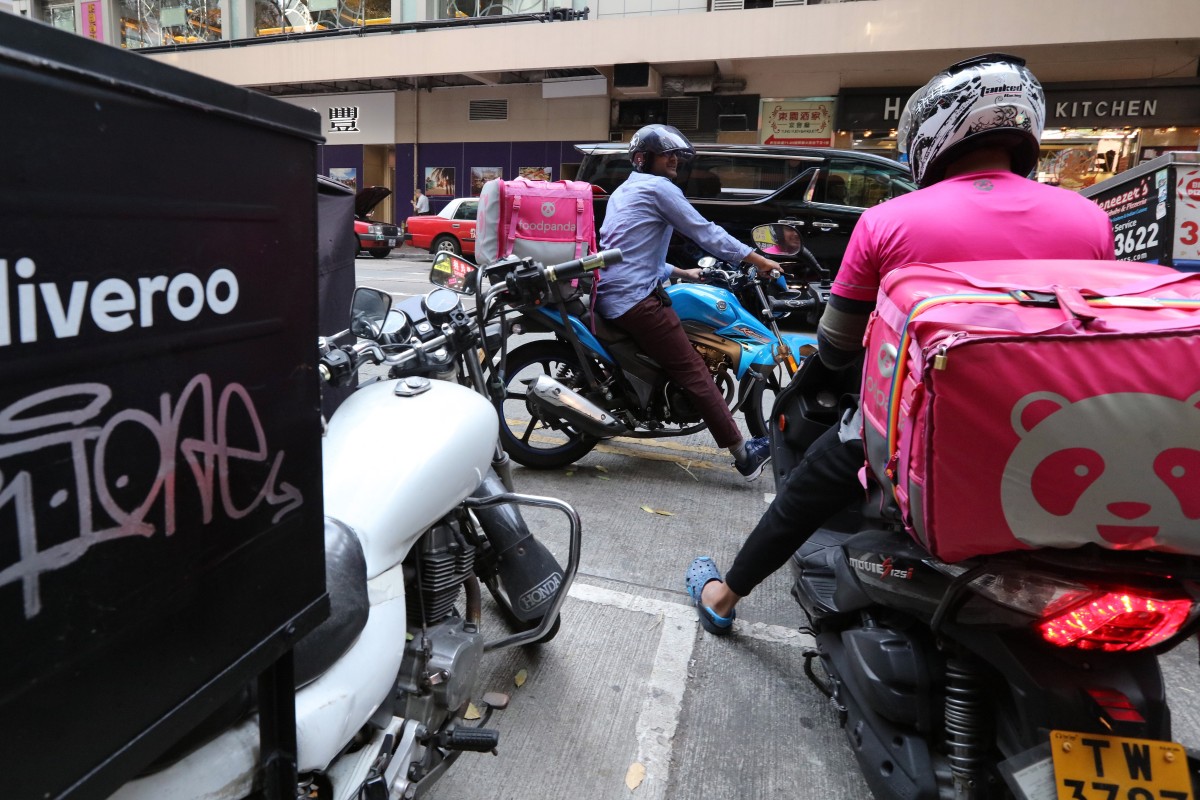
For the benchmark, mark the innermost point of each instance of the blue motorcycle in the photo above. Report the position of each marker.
(559, 396)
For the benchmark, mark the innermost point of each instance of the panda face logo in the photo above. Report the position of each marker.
(1121, 470)
(549, 209)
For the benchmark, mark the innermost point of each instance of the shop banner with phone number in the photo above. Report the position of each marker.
(800, 123)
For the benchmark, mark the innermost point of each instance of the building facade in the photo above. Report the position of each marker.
(445, 93)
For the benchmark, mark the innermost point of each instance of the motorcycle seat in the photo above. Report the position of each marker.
(346, 585)
(581, 308)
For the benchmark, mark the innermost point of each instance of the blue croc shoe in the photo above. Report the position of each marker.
(697, 576)
(758, 453)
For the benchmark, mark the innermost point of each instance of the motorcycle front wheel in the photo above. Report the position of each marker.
(526, 437)
(758, 403)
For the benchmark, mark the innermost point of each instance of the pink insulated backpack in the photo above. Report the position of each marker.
(1030, 404)
(549, 221)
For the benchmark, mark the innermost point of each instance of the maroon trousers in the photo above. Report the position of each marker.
(659, 334)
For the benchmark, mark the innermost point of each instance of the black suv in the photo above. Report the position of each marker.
(739, 186)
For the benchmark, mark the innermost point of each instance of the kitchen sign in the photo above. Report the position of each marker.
(1066, 107)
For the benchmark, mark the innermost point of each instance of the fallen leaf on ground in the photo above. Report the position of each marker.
(519, 680)
(601, 469)
(472, 712)
(635, 775)
(650, 510)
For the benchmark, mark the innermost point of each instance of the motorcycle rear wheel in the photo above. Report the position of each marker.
(528, 439)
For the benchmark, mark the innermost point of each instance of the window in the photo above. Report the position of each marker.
(740, 176)
(467, 210)
(858, 185)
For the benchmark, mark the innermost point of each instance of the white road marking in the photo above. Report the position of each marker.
(659, 716)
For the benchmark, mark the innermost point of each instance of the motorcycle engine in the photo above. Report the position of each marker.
(714, 358)
(435, 570)
(442, 655)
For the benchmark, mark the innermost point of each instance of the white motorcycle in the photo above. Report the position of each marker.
(382, 686)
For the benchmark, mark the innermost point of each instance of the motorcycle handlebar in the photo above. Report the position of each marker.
(573, 269)
(337, 364)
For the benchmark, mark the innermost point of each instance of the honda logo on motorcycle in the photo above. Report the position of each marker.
(884, 569)
(541, 593)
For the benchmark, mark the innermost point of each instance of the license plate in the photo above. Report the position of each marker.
(1096, 767)
(391, 242)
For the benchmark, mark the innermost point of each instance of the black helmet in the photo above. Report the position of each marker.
(659, 139)
(987, 100)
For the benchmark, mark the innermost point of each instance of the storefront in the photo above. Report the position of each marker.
(1092, 130)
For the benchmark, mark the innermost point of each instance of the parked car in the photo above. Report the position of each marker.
(822, 190)
(452, 229)
(376, 238)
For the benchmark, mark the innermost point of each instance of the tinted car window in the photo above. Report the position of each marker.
(467, 210)
(845, 183)
(738, 177)
(606, 170)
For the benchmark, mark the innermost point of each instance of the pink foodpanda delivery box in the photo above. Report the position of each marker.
(1029, 404)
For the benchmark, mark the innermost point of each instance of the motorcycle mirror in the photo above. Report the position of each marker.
(453, 272)
(368, 310)
(778, 239)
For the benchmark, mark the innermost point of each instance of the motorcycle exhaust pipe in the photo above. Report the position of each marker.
(528, 572)
(555, 401)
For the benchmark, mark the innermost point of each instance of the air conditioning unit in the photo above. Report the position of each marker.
(583, 86)
(636, 80)
(733, 122)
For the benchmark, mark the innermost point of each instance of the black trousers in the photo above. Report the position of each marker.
(821, 485)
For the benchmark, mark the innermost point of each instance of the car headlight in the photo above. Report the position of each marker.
(375, 229)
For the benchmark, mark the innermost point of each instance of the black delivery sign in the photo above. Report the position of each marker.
(1137, 211)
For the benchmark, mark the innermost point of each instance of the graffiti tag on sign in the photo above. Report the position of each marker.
(196, 440)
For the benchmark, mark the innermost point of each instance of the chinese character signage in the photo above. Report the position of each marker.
(93, 23)
(802, 123)
(368, 118)
(343, 119)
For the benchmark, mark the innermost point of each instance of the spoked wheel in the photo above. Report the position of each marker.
(526, 437)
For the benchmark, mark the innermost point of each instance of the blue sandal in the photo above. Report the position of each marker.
(703, 570)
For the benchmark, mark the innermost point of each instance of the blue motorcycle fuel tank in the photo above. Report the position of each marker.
(720, 310)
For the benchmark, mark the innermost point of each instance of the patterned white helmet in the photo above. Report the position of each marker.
(991, 100)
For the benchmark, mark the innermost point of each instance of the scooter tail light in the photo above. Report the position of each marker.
(1113, 620)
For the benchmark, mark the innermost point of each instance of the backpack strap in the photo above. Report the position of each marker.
(514, 216)
(579, 228)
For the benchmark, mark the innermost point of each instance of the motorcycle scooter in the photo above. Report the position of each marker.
(1025, 675)
(383, 685)
(560, 396)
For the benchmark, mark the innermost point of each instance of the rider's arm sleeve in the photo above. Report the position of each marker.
(840, 331)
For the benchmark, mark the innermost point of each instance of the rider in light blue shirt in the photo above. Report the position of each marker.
(641, 215)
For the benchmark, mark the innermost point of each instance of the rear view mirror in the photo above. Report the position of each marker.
(453, 272)
(368, 310)
(778, 239)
